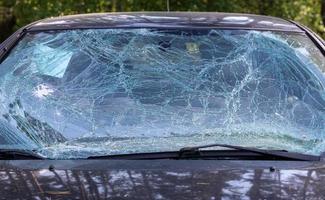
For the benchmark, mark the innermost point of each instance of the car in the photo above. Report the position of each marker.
(162, 105)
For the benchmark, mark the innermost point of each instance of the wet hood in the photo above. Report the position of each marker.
(161, 179)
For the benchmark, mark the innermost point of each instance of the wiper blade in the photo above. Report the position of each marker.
(19, 154)
(245, 153)
(186, 151)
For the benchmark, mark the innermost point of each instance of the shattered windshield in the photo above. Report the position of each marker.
(80, 93)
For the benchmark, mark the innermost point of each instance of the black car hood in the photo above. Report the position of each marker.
(161, 179)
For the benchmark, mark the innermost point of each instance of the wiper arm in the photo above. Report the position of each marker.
(18, 154)
(273, 153)
(195, 153)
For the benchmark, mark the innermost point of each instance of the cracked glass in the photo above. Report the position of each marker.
(79, 93)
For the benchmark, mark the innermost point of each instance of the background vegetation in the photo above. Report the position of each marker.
(17, 13)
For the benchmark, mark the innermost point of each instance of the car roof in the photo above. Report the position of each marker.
(166, 20)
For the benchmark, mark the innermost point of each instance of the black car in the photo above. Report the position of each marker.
(162, 106)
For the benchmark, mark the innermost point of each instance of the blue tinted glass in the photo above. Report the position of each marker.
(78, 93)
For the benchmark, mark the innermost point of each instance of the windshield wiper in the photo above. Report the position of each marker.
(195, 152)
(18, 154)
(270, 153)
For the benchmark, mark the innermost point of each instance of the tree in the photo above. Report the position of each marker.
(323, 11)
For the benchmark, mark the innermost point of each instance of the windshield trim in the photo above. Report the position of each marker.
(158, 26)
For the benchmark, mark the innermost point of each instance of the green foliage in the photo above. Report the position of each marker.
(17, 13)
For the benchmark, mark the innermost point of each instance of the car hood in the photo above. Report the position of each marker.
(161, 179)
